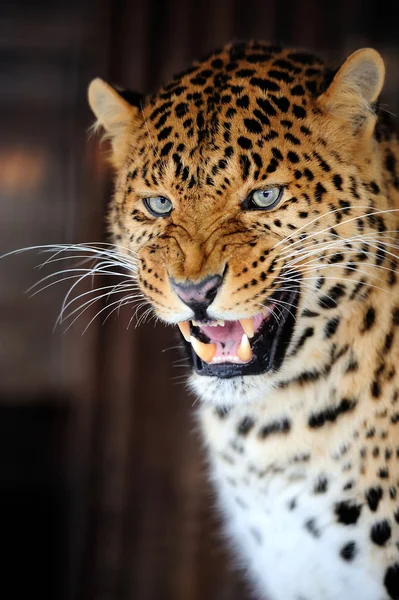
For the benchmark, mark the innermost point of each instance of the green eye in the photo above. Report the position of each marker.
(158, 206)
(267, 198)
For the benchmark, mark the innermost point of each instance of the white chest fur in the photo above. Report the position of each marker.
(290, 546)
(282, 521)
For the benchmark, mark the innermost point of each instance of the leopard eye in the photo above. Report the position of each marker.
(158, 206)
(264, 199)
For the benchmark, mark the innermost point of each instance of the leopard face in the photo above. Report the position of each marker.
(250, 190)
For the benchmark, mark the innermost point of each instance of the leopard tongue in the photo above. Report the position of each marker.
(231, 331)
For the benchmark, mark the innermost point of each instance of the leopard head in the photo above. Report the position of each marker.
(246, 188)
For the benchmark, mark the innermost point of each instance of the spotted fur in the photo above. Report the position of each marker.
(305, 458)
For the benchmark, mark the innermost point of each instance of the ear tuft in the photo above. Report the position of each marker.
(355, 88)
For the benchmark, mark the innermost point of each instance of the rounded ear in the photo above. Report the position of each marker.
(355, 88)
(116, 111)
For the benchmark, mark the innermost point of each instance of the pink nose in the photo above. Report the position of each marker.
(200, 294)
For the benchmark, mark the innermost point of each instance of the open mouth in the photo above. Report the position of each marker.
(250, 346)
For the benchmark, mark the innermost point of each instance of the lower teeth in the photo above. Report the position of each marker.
(222, 359)
(244, 350)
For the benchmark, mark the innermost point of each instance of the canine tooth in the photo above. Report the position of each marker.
(205, 351)
(184, 327)
(221, 323)
(248, 327)
(244, 350)
(196, 324)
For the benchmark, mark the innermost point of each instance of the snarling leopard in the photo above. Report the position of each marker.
(259, 193)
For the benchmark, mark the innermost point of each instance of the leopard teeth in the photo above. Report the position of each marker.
(217, 323)
(248, 327)
(184, 327)
(205, 351)
(244, 350)
(211, 324)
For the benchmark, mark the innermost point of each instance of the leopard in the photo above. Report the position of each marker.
(258, 191)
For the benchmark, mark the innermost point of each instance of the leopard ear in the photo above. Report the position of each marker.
(355, 89)
(117, 111)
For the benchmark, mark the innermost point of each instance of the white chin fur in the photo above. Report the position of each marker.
(227, 392)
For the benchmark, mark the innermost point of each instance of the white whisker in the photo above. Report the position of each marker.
(335, 225)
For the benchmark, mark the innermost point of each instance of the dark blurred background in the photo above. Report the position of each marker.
(103, 491)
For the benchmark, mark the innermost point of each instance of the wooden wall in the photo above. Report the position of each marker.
(127, 482)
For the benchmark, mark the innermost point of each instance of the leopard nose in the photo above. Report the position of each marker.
(198, 295)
